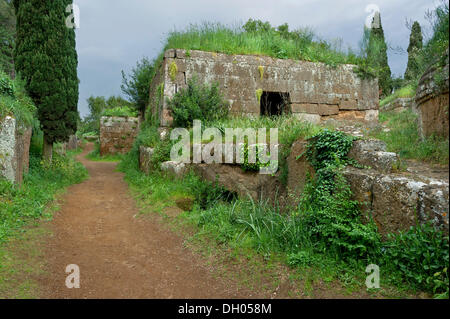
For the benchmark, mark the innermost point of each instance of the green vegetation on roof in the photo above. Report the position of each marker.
(121, 111)
(258, 38)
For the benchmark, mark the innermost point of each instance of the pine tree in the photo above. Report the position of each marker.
(377, 55)
(45, 58)
(414, 48)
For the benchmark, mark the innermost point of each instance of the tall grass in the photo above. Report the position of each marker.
(403, 138)
(404, 92)
(20, 205)
(299, 44)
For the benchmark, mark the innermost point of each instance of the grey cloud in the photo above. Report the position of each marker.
(114, 34)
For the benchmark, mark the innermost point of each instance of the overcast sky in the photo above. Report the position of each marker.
(114, 34)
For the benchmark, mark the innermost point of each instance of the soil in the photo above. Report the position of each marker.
(118, 254)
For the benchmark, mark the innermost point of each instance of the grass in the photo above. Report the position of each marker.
(403, 138)
(124, 111)
(244, 228)
(14, 101)
(20, 205)
(21, 210)
(405, 92)
(300, 44)
(96, 157)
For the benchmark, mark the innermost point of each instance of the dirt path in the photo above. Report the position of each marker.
(121, 256)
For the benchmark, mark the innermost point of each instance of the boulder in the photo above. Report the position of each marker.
(177, 169)
(432, 99)
(372, 153)
(397, 202)
(234, 179)
(145, 154)
(299, 169)
(400, 104)
(14, 149)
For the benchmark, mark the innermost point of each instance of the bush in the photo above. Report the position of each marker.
(15, 101)
(421, 256)
(197, 102)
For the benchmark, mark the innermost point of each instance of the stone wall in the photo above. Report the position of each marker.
(316, 91)
(432, 99)
(395, 200)
(14, 149)
(117, 134)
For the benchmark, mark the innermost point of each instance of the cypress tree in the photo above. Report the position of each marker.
(45, 60)
(7, 36)
(377, 55)
(414, 48)
(72, 115)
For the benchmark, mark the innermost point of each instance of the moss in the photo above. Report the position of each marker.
(261, 71)
(173, 69)
(259, 93)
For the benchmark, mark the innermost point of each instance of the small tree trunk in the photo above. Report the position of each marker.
(47, 151)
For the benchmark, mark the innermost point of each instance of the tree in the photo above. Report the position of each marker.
(46, 60)
(72, 90)
(137, 85)
(377, 55)
(7, 37)
(414, 48)
(96, 105)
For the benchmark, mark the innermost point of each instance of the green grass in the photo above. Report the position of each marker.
(124, 111)
(403, 138)
(21, 205)
(14, 101)
(96, 157)
(21, 210)
(260, 228)
(301, 44)
(405, 92)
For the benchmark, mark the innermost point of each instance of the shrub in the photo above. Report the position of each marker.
(329, 211)
(421, 256)
(15, 101)
(197, 102)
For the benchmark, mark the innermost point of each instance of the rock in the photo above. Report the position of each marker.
(14, 149)
(400, 104)
(398, 202)
(163, 133)
(372, 153)
(299, 169)
(186, 204)
(145, 155)
(432, 99)
(117, 134)
(72, 144)
(234, 179)
(176, 169)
